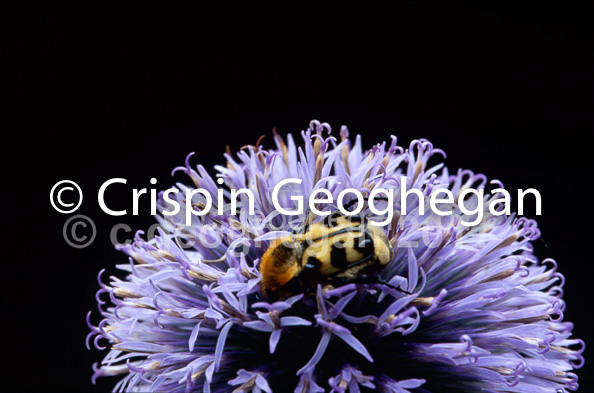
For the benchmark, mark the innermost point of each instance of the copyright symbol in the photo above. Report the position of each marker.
(76, 233)
(58, 189)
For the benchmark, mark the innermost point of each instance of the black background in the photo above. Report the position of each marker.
(99, 92)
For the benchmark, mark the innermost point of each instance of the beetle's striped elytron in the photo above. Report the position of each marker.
(338, 250)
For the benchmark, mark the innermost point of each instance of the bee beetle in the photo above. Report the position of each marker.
(338, 250)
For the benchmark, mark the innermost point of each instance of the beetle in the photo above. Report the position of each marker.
(338, 250)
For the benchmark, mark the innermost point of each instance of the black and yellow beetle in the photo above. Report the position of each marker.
(338, 250)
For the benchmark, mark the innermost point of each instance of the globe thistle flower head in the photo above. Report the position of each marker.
(458, 308)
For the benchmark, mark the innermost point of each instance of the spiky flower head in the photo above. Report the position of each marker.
(467, 309)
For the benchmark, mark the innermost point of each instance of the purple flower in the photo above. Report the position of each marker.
(250, 382)
(271, 321)
(349, 380)
(467, 309)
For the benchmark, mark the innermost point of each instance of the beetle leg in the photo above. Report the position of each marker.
(387, 284)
